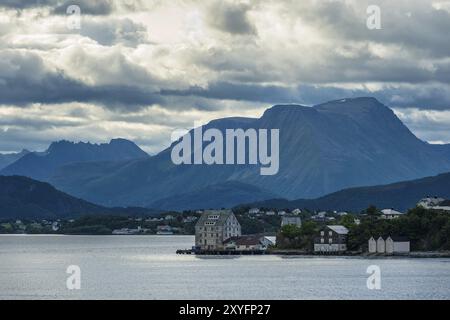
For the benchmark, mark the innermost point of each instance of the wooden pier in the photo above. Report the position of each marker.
(220, 252)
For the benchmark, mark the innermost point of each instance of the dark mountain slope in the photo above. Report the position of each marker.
(401, 196)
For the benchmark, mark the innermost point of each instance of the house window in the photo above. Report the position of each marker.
(330, 241)
(322, 240)
(330, 233)
(322, 233)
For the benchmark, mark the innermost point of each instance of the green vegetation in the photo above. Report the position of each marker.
(293, 237)
(428, 230)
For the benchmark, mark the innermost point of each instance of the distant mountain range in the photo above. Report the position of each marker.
(22, 197)
(400, 196)
(329, 147)
(323, 149)
(7, 159)
(42, 165)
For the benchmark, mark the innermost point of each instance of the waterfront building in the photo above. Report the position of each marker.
(372, 245)
(331, 239)
(214, 227)
(255, 242)
(381, 245)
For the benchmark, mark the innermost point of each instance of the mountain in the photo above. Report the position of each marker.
(7, 159)
(42, 165)
(216, 196)
(401, 196)
(22, 197)
(323, 149)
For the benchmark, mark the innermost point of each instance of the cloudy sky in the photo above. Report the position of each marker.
(139, 69)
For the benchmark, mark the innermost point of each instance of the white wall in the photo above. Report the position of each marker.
(401, 247)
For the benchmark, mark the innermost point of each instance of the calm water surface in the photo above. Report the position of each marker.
(146, 267)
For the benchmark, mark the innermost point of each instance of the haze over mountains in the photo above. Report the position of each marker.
(42, 165)
(323, 149)
(8, 158)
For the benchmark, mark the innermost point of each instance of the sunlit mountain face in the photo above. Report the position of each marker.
(96, 70)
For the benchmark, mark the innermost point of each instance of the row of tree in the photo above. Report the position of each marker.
(428, 230)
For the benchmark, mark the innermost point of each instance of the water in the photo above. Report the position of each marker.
(146, 267)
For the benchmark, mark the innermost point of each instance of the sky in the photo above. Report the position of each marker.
(141, 69)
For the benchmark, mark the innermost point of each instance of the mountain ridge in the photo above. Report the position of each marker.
(400, 196)
(42, 165)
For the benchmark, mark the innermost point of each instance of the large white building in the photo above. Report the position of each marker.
(214, 227)
(434, 203)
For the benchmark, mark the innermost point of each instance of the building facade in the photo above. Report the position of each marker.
(390, 245)
(254, 242)
(331, 239)
(214, 227)
(296, 221)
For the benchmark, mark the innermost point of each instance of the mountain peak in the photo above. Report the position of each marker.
(359, 104)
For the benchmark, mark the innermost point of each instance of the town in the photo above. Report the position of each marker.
(425, 228)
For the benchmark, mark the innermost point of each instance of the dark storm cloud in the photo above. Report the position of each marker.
(55, 88)
(429, 97)
(230, 18)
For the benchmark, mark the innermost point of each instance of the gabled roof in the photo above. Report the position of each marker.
(399, 239)
(391, 212)
(223, 216)
(339, 229)
(247, 240)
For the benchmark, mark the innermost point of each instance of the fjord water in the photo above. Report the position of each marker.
(146, 267)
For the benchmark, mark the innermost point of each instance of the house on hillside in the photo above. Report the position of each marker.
(214, 227)
(434, 203)
(253, 211)
(296, 221)
(331, 239)
(254, 242)
(296, 212)
(390, 214)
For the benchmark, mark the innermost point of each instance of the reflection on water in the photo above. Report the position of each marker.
(146, 267)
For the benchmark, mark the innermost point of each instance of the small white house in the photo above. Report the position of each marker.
(372, 245)
(270, 213)
(381, 245)
(392, 245)
(296, 212)
(390, 214)
(281, 213)
(253, 211)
